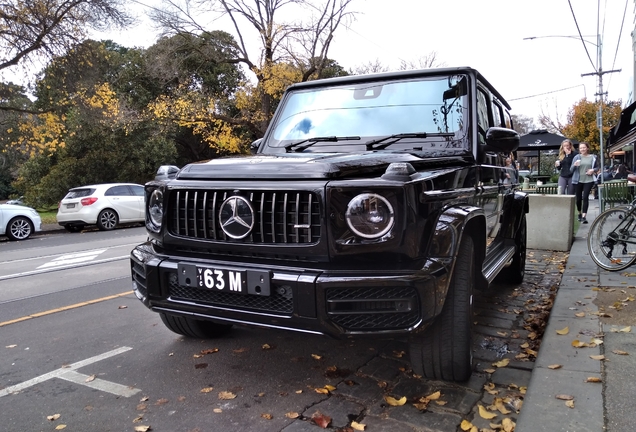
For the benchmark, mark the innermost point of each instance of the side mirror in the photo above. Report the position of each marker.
(501, 140)
(255, 145)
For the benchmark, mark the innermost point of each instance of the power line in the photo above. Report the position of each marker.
(580, 35)
(547, 93)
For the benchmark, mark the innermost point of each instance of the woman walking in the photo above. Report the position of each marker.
(563, 164)
(584, 169)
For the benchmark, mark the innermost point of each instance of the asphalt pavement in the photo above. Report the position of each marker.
(583, 378)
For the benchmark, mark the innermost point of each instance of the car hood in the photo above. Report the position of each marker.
(314, 165)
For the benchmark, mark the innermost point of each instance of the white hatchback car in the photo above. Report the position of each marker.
(18, 222)
(104, 205)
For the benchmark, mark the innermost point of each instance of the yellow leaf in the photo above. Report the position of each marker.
(593, 380)
(597, 357)
(626, 329)
(579, 344)
(266, 346)
(90, 378)
(321, 390)
(434, 396)
(485, 414)
(508, 425)
(60, 427)
(142, 428)
(395, 402)
(206, 389)
(490, 388)
(564, 397)
(226, 395)
(466, 425)
(555, 366)
(596, 341)
(500, 406)
(53, 417)
(501, 363)
(11, 346)
(563, 331)
(620, 352)
(330, 387)
(292, 415)
(267, 416)
(579, 315)
(316, 356)
(217, 410)
(569, 404)
(357, 426)
(490, 370)
(525, 345)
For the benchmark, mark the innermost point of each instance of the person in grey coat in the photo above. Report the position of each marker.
(584, 169)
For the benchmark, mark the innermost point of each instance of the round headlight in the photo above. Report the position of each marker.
(155, 208)
(370, 215)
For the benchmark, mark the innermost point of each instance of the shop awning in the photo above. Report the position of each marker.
(624, 133)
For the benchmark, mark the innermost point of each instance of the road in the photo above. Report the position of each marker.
(76, 342)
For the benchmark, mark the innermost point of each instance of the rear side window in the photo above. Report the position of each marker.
(118, 191)
(138, 190)
(79, 193)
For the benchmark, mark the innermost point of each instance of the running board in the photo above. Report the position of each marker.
(493, 266)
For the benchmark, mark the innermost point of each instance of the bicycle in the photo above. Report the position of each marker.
(611, 240)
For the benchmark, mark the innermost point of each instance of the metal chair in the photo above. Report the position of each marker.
(614, 192)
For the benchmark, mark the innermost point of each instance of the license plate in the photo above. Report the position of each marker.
(221, 280)
(70, 205)
(254, 282)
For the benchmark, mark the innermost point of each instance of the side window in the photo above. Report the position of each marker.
(138, 190)
(508, 120)
(118, 191)
(482, 116)
(497, 115)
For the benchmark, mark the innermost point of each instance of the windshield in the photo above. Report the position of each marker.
(432, 111)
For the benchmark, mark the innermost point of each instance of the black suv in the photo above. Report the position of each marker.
(373, 206)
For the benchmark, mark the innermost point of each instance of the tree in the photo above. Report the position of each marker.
(582, 126)
(288, 51)
(33, 30)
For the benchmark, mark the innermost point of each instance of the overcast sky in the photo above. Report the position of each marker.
(540, 75)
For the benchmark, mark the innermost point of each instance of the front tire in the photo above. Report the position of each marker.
(107, 220)
(198, 329)
(19, 228)
(444, 351)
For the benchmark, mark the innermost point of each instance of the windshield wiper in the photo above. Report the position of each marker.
(381, 143)
(297, 147)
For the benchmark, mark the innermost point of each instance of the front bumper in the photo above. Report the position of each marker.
(334, 303)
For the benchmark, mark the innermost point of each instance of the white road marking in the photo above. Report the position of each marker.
(63, 373)
(63, 267)
(73, 258)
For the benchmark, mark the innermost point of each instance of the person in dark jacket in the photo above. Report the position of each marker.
(584, 170)
(621, 172)
(563, 164)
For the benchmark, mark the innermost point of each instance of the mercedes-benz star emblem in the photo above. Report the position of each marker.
(237, 217)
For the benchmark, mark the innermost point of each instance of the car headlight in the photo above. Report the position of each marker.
(155, 209)
(370, 215)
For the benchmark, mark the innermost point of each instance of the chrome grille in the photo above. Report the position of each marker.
(291, 217)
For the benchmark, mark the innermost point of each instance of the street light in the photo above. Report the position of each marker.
(599, 72)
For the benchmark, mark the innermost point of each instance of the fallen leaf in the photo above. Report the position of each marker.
(330, 387)
(485, 414)
(508, 425)
(171, 354)
(292, 415)
(579, 344)
(60, 427)
(620, 352)
(144, 399)
(597, 357)
(358, 426)
(563, 331)
(267, 416)
(524, 345)
(395, 402)
(466, 425)
(434, 396)
(142, 428)
(596, 341)
(625, 329)
(398, 354)
(206, 389)
(239, 350)
(266, 346)
(490, 370)
(321, 420)
(555, 366)
(564, 397)
(499, 405)
(225, 395)
(569, 404)
(53, 417)
(579, 315)
(504, 334)
(316, 356)
(181, 398)
(123, 307)
(490, 388)
(501, 363)
(298, 391)
(321, 390)
(161, 401)
(90, 378)
(217, 410)
(11, 346)
(209, 351)
(138, 419)
(141, 407)
(593, 380)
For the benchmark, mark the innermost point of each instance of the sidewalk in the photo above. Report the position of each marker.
(598, 406)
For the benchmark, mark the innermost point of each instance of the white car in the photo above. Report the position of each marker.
(19, 222)
(104, 205)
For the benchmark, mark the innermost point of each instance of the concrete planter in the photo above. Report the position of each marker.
(550, 222)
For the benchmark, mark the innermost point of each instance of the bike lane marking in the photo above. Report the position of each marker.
(68, 373)
(64, 308)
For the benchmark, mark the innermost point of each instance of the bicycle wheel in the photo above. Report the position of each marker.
(610, 240)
